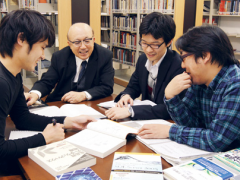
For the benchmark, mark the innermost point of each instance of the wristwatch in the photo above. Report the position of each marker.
(130, 110)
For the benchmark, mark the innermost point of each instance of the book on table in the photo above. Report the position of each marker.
(60, 157)
(101, 138)
(229, 160)
(197, 169)
(70, 110)
(171, 151)
(140, 166)
(110, 104)
(81, 174)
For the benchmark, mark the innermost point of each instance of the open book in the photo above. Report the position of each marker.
(70, 110)
(101, 138)
(110, 104)
(171, 151)
(140, 166)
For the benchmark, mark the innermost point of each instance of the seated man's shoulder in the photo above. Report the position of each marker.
(101, 49)
(175, 56)
(66, 50)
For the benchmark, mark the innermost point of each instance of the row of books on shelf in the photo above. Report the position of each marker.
(124, 56)
(105, 21)
(128, 23)
(105, 36)
(131, 6)
(124, 39)
(206, 21)
(33, 4)
(227, 7)
(3, 6)
(106, 6)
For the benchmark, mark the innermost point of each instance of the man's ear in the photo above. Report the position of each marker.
(206, 57)
(93, 39)
(20, 39)
(169, 43)
(68, 43)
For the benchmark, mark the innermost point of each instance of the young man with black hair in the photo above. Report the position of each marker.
(154, 70)
(208, 116)
(24, 34)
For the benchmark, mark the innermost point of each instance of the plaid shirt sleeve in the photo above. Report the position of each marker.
(215, 135)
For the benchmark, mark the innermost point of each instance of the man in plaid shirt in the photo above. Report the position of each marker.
(208, 117)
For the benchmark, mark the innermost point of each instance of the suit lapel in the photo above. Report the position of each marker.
(144, 74)
(71, 66)
(91, 69)
(162, 72)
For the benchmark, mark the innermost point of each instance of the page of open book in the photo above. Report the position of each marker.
(49, 111)
(22, 134)
(91, 140)
(137, 102)
(139, 124)
(70, 110)
(111, 128)
(178, 151)
(173, 152)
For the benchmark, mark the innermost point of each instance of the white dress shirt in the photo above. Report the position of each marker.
(78, 69)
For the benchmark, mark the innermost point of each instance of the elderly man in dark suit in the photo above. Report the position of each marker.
(154, 70)
(82, 71)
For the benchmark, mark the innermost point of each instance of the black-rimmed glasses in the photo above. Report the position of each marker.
(86, 41)
(185, 55)
(153, 46)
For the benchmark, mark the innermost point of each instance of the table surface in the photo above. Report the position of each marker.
(103, 165)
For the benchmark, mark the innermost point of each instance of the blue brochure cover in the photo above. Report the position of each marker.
(82, 174)
(212, 167)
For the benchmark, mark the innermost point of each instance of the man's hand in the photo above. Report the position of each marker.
(154, 131)
(117, 113)
(53, 133)
(124, 101)
(74, 97)
(31, 98)
(78, 122)
(177, 85)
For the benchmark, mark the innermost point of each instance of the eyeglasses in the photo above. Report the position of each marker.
(86, 41)
(153, 46)
(185, 55)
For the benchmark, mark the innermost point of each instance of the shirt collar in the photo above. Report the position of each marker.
(218, 78)
(150, 67)
(79, 61)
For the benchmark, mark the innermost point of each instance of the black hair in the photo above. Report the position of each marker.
(32, 26)
(208, 38)
(159, 26)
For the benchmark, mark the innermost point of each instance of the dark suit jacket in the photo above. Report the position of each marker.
(168, 69)
(99, 75)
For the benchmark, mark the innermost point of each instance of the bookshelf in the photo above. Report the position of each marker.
(120, 21)
(226, 15)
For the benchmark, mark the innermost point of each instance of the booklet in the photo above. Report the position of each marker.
(102, 138)
(110, 104)
(70, 110)
(81, 174)
(60, 157)
(197, 169)
(171, 151)
(140, 166)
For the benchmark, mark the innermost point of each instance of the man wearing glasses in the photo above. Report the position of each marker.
(154, 70)
(82, 71)
(208, 116)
